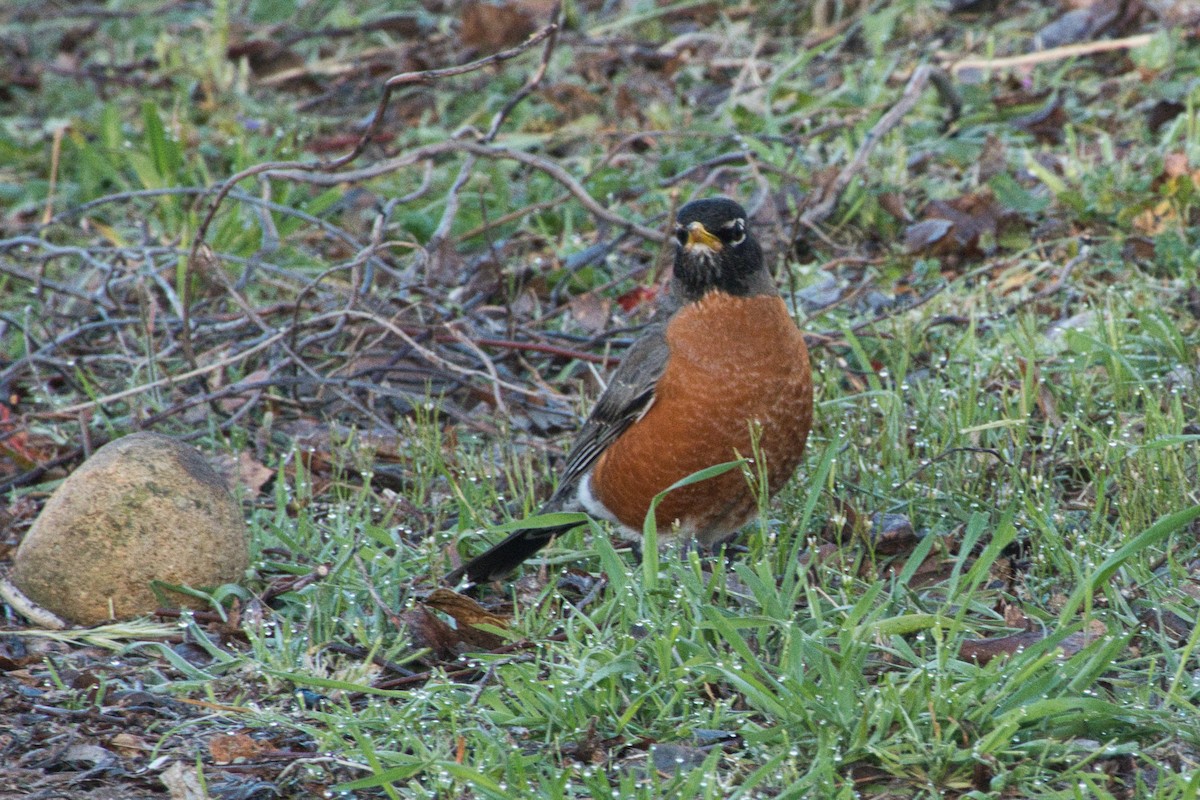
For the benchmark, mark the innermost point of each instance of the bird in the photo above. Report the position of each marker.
(726, 369)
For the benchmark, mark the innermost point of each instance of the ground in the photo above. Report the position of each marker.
(376, 263)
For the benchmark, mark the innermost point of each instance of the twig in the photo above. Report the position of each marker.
(440, 234)
(549, 349)
(534, 208)
(827, 198)
(1053, 54)
(404, 79)
(433, 248)
(170, 379)
(532, 82)
(1061, 279)
(55, 153)
(26, 607)
(295, 358)
(458, 145)
(830, 337)
(360, 652)
(735, 157)
(462, 339)
(431, 356)
(949, 452)
(323, 224)
(393, 616)
(53, 251)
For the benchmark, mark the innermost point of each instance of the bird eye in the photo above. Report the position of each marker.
(681, 235)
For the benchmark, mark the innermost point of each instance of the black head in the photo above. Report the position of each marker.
(716, 251)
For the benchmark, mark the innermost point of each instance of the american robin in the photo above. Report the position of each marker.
(690, 393)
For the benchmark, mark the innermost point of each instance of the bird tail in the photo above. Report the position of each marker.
(506, 556)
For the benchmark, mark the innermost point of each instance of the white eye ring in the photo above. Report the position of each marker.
(738, 229)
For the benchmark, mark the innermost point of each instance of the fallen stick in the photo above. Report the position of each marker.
(828, 196)
(1053, 54)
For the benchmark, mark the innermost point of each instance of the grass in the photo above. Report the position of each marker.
(1027, 400)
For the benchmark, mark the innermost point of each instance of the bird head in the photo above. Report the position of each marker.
(716, 251)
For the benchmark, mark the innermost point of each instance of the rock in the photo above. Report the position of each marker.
(143, 508)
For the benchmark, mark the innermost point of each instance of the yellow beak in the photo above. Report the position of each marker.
(698, 236)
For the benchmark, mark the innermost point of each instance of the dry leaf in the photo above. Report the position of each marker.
(129, 745)
(264, 56)
(1163, 112)
(925, 236)
(892, 534)
(1154, 221)
(231, 748)
(252, 473)
(487, 27)
(672, 759)
(468, 615)
(1046, 124)
(591, 311)
(982, 651)
(427, 631)
(182, 782)
(591, 749)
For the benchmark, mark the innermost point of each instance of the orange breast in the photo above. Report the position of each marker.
(734, 362)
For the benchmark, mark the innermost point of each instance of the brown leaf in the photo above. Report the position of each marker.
(572, 100)
(1018, 94)
(1163, 112)
(1045, 124)
(973, 215)
(591, 749)
(821, 555)
(925, 236)
(892, 534)
(243, 471)
(1175, 164)
(444, 264)
(955, 227)
(340, 142)
(591, 311)
(1138, 249)
(1156, 219)
(252, 473)
(182, 782)
(893, 203)
(488, 27)
(1014, 617)
(427, 631)
(981, 651)
(264, 56)
(676, 758)
(981, 777)
(933, 570)
(1166, 623)
(993, 159)
(130, 745)
(234, 747)
(984, 650)
(468, 614)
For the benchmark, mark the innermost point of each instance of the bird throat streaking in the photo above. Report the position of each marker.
(727, 367)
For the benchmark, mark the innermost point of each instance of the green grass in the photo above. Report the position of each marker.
(1035, 418)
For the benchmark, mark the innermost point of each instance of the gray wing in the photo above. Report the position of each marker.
(629, 393)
